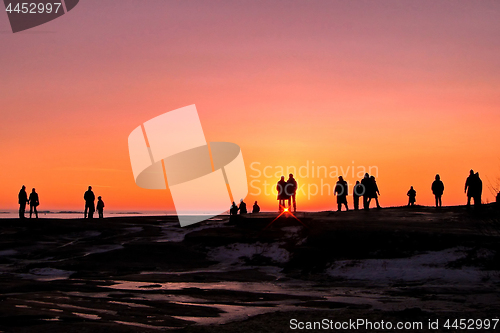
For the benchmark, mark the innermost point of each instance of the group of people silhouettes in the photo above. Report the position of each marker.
(243, 208)
(33, 201)
(437, 188)
(287, 190)
(89, 198)
(473, 189)
(367, 188)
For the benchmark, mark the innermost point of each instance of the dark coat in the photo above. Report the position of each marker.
(256, 208)
(341, 188)
(100, 205)
(280, 187)
(23, 197)
(34, 199)
(243, 208)
(358, 190)
(367, 183)
(89, 197)
(291, 186)
(437, 187)
(412, 194)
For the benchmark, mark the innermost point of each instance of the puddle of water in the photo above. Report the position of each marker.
(46, 274)
(132, 305)
(76, 307)
(87, 316)
(51, 319)
(232, 313)
(261, 287)
(102, 249)
(145, 325)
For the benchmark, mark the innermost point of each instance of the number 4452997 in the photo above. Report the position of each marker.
(34, 8)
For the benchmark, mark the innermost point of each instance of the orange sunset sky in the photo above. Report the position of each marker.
(410, 87)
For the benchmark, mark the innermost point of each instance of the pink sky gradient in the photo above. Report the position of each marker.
(410, 87)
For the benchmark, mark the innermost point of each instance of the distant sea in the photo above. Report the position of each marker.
(10, 214)
(76, 214)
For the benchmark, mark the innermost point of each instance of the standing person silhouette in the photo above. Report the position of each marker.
(412, 195)
(366, 184)
(280, 187)
(291, 190)
(469, 187)
(256, 208)
(100, 207)
(22, 199)
(437, 189)
(243, 207)
(33, 202)
(478, 191)
(341, 189)
(373, 192)
(89, 198)
(357, 191)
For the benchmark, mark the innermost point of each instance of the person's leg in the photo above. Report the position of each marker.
(85, 213)
(21, 211)
(468, 201)
(294, 203)
(378, 205)
(439, 200)
(36, 212)
(289, 203)
(31, 210)
(339, 206)
(345, 203)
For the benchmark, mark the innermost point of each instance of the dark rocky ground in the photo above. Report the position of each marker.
(144, 274)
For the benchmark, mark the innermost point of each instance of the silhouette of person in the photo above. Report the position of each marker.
(437, 189)
(280, 187)
(366, 184)
(291, 190)
(256, 208)
(357, 191)
(412, 195)
(22, 199)
(341, 189)
(234, 209)
(89, 198)
(243, 207)
(100, 207)
(469, 187)
(478, 190)
(373, 192)
(33, 202)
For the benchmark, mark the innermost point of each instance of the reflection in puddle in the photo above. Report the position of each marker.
(87, 316)
(46, 274)
(145, 325)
